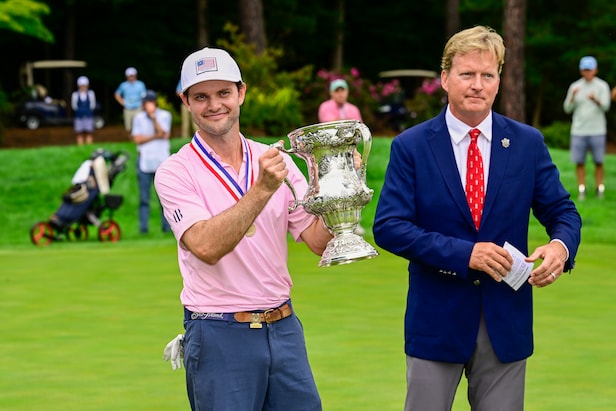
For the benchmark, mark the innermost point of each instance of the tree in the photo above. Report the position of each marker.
(202, 27)
(338, 52)
(114, 34)
(252, 24)
(24, 17)
(452, 17)
(513, 87)
(70, 35)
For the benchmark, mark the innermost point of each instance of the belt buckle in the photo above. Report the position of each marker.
(267, 314)
(255, 321)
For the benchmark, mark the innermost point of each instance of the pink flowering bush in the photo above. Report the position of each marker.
(280, 101)
(428, 100)
(430, 86)
(423, 103)
(387, 92)
(362, 92)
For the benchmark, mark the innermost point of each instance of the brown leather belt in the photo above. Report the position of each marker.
(268, 317)
(256, 320)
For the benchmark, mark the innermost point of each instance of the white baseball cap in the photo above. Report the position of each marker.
(83, 81)
(209, 64)
(131, 71)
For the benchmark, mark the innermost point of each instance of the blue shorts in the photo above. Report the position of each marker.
(231, 367)
(83, 124)
(580, 145)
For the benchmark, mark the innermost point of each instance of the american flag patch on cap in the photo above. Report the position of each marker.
(206, 64)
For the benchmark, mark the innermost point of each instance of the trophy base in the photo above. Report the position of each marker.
(346, 248)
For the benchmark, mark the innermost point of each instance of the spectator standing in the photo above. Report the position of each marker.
(151, 132)
(83, 103)
(244, 346)
(588, 98)
(338, 106)
(456, 200)
(129, 95)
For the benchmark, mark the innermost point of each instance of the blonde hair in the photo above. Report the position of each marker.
(473, 39)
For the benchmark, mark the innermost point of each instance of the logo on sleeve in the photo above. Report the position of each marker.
(177, 215)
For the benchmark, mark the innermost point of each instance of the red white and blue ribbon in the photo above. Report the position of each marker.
(221, 174)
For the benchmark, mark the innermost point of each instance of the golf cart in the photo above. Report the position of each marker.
(40, 109)
(395, 110)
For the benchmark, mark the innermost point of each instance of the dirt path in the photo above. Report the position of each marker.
(60, 136)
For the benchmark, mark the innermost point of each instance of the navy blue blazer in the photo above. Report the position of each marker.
(422, 215)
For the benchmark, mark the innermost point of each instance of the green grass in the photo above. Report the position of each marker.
(84, 324)
(84, 327)
(34, 179)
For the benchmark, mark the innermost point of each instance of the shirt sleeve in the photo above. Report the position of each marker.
(328, 111)
(164, 120)
(92, 99)
(355, 114)
(605, 96)
(139, 126)
(568, 103)
(182, 205)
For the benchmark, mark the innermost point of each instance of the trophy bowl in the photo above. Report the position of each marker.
(337, 190)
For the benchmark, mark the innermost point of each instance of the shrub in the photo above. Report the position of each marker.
(278, 102)
(272, 105)
(557, 134)
(427, 102)
(163, 103)
(276, 112)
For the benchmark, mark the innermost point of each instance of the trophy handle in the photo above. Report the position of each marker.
(280, 146)
(367, 139)
(295, 201)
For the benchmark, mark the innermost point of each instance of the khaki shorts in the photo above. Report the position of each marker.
(129, 114)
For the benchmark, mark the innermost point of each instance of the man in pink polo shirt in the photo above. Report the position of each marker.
(338, 107)
(223, 196)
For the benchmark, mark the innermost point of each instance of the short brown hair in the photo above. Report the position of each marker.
(473, 39)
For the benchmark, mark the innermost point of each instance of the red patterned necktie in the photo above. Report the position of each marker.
(474, 178)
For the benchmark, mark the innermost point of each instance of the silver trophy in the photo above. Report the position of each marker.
(337, 191)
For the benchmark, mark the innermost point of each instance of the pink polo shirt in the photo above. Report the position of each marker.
(254, 276)
(329, 110)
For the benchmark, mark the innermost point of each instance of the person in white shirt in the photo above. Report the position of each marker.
(83, 103)
(588, 98)
(151, 132)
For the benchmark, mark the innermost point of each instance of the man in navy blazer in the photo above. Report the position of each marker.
(461, 316)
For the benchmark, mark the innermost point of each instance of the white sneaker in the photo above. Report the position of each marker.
(581, 192)
(600, 190)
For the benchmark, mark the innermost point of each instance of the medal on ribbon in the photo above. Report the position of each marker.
(223, 176)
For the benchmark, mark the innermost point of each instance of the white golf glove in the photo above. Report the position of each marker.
(174, 351)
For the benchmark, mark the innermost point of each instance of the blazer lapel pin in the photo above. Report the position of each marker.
(505, 142)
